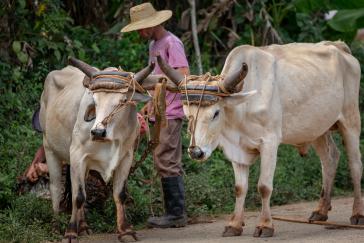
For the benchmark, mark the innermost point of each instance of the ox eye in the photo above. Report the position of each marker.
(216, 114)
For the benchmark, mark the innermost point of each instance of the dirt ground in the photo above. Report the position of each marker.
(284, 231)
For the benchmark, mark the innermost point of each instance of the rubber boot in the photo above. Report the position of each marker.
(174, 204)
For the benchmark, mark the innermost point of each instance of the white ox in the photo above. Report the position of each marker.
(303, 91)
(72, 115)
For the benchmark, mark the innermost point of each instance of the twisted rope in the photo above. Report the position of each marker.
(193, 120)
(127, 81)
(206, 80)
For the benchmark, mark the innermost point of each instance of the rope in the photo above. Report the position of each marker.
(194, 91)
(125, 81)
(121, 104)
(193, 120)
(129, 80)
(159, 101)
(206, 80)
(116, 110)
(317, 222)
(190, 117)
(109, 90)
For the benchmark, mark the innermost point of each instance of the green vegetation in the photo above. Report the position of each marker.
(38, 36)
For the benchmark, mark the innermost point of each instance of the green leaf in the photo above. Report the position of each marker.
(95, 48)
(81, 54)
(345, 4)
(16, 46)
(57, 54)
(22, 57)
(115, 29)
(307, 6)
(347, 20)
(22, 4)
(16, 73)
(77, 43)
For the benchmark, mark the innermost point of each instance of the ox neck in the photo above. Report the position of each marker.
(233, 119)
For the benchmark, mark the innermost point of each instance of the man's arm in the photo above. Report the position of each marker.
(184, 70)
(147, 107)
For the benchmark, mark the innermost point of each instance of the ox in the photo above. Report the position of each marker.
(293, 94)
(91, 123)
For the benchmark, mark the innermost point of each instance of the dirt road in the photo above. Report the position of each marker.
(284, 231)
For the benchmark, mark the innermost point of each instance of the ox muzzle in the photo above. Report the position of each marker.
(98, 134)
(196, 153)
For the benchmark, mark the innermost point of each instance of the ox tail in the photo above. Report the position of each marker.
(66, 200)
(339, 45)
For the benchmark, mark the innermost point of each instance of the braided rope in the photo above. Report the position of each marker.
(206, 80)
(121, 104)
(123, 86)
(192, 120)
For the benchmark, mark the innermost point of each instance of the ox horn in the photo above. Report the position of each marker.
(84, 67)
(232, 80)
(142, 74)
(175, 76)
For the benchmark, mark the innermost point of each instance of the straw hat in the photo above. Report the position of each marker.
(144, 16)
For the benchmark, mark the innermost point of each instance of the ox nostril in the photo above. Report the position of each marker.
(99, 133)
(103, 134)
(195, 152)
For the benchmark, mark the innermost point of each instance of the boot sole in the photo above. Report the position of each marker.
(177, 224)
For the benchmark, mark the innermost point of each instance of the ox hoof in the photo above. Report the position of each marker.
(70, 239)
(357, 219)
(56, 227)
(316, 216)
(128, 236)
(231, 231)
(84, 229)
(261, 231)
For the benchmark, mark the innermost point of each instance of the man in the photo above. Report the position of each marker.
(168, 154)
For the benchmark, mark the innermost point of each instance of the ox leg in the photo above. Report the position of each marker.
(55, 184)
(119, 180)
(236, 223)
(77, 222)
(329, 155)
(265, 187)
(351, 136)
(55, 175)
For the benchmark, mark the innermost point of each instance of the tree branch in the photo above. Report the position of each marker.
(194, 35)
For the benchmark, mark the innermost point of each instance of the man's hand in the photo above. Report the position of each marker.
(38, 167)
(143, 124)
(144, 110)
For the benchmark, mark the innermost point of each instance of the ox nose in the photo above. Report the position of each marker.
(195, 152)
(98, 133)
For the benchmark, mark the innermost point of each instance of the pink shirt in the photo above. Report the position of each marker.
(171, 49)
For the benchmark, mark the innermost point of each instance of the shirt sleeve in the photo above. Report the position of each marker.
(150, 56)
(176, 55)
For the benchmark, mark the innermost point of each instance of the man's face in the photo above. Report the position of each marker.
(146, 33)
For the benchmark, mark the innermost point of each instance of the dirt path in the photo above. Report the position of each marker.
(284, 231)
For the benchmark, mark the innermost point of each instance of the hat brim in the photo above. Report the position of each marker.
(154, 20)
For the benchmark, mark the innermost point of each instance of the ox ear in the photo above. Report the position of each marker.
(238, 98)
(90, 113)
(141, 98)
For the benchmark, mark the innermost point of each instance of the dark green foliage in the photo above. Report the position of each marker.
(38, 37)
(29, 219)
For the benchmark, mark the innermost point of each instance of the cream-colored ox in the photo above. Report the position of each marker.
(292, 94)
(93, 125)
